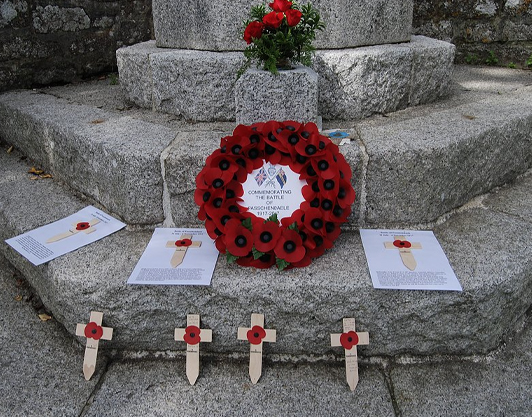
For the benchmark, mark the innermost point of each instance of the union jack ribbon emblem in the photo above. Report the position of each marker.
(261, 177)
(281, 178)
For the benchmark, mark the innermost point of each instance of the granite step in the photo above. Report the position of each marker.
(486, 243)
(410, 167)
(37, 353)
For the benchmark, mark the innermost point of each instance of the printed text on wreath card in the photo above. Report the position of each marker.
(273, 189)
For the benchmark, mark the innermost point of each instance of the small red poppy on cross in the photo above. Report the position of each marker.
(83, 226)
(93, 331)
(192, 335)
(255, 335)
(183, 242)
(402, 244)
(348, 340)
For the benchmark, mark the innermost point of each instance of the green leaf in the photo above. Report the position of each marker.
(293, 226)
(257, 253)
(230, 258)
(272, 218)
(281, 264)
(247, 223)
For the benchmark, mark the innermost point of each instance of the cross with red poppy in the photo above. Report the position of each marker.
(86, 227)
(193, 335)
(93, 331)
(256, 335)
(181, 246)
(404, 247)
(349, 340)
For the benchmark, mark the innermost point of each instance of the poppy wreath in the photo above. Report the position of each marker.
(292, 241)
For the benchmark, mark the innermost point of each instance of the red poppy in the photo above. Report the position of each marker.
(293, 17)
(290, 246)
(192, 335)
(183, 242)
(238, 239)
(255, 335)
(296, 217)
(314, 221)
(325, 166)
(273, 19)
(265, 235)
(83, 226)
(93, 331)
(280, 5)
(253, 31)
(343, 166)
(346, 194)
(264, 262)
(219, 242)
(348, 340)
(402, 244)
(213, 177)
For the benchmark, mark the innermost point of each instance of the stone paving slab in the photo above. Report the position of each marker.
(495, 386)
(488, 250)
(40, 364)
(160, 389)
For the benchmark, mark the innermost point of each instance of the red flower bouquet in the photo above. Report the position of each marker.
(282, 35)
(250, 240)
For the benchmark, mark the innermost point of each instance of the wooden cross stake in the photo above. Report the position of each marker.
(93, 332)
(349, 340)
(181, 246)
(256, 335)
(193, 335)
(404, 247)
(86, 227)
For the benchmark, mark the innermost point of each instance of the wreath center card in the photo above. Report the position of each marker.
(274, 193)
(273, 189)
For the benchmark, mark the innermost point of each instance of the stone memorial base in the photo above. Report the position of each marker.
(291, 95)
(352, 83)
(216, 26)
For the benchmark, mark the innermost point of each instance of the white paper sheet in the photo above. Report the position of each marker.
(55, 239)
(387, 268)
(196, 268)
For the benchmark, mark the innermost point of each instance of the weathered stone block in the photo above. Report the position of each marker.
(432, 69)
(135, 72)
(290, 95)
(355, 83)
(196, 85)
(217, 26)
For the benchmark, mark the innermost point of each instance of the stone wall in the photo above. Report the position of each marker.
(52, 41)
(478, 27)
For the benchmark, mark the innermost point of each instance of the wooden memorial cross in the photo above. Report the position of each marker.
(349, 340)
(256, 335)
(181, 246)
(193, 335)
(93, 332)
(86, 227)
(404, 247)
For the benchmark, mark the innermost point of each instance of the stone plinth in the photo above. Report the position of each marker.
(217, 25)
(290, 95)
(352, 83)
